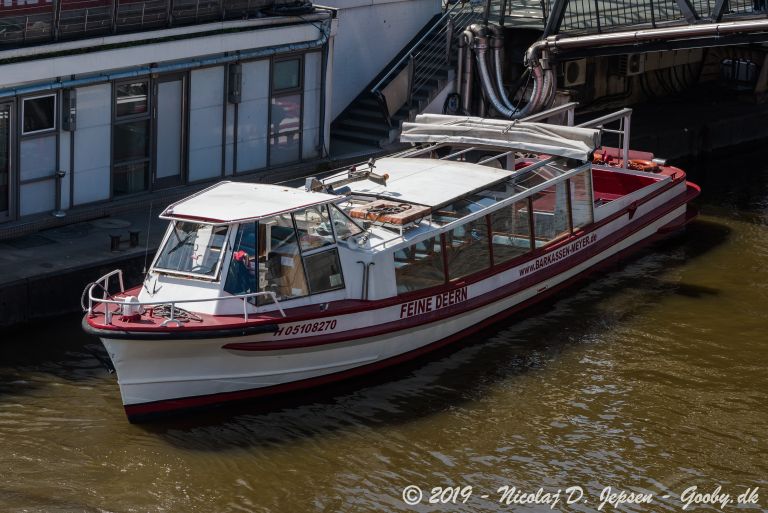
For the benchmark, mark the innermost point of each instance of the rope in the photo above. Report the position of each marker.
(179, 314)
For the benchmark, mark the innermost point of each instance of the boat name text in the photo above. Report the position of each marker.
(432, 303)
(308, 327)
(558, 254)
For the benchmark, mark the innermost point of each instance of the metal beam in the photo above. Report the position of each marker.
(688, 44)
(717, 12)
(555, 18)
(688, 11)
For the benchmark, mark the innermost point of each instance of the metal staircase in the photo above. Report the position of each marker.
(406, 86)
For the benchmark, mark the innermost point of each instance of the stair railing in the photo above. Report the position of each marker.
(424, 59)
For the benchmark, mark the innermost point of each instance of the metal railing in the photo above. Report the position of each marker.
(56, 20)
(103, 284)
(598, 16)
(431, 53)
(624, 118)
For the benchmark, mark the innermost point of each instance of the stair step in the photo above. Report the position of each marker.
(371, 116)
(380, 129)
(358, 137)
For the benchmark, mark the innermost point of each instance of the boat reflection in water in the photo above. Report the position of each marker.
(261, 289)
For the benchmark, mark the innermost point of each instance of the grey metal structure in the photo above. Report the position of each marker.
(24, 23)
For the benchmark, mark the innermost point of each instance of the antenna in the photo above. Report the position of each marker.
(146, 249)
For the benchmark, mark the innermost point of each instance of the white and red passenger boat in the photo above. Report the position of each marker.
(260, 289)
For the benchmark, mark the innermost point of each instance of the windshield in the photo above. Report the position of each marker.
(192, 248)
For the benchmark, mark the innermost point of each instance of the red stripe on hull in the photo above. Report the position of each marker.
(138, 412)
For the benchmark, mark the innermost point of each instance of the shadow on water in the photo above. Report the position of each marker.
(459, 373)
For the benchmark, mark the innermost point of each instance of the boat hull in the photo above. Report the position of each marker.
(158, 376)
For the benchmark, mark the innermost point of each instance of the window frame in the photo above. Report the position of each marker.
(215, 277)
(117, 119)
(132, 118)
(279, 93)
(55, 114)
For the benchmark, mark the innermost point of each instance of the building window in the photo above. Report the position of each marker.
(131, 136)
(285, 113)
(286, 75)
(39, 114)
(131, 99)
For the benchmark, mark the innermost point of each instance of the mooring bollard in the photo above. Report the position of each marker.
(114, 242)
(134, 238)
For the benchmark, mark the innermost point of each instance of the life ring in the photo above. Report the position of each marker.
(643, 165)
(604, 159)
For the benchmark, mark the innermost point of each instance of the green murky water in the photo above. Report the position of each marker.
(651, 378)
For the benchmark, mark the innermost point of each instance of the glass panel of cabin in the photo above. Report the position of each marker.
(419, 266)
(510, 232)
(468, 250)
(241, 276)
(324, 271)
(193, 248)
(280, 267)
(461, 208)
(581, 199)
(314, 227)
(550, 213)
(343, 225)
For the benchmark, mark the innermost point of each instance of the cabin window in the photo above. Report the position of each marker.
(468, 250)
(324, 271)
(192, 248)
(343, 225)
(581, 199)
(241, 277)
(461, 208)
(314, 227)
(510, 232)
(550, 213)
(419, 266)
(280, 266)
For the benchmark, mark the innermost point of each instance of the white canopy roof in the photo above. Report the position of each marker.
(429, 182)
(562, 141)
(228, 202)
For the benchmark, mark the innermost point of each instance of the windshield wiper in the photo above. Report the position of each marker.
(179, 244)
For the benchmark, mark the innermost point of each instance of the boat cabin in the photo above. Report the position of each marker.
(270, 242)
(434, 216)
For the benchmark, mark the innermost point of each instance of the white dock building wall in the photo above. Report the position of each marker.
(161, 114)
(371, 33)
